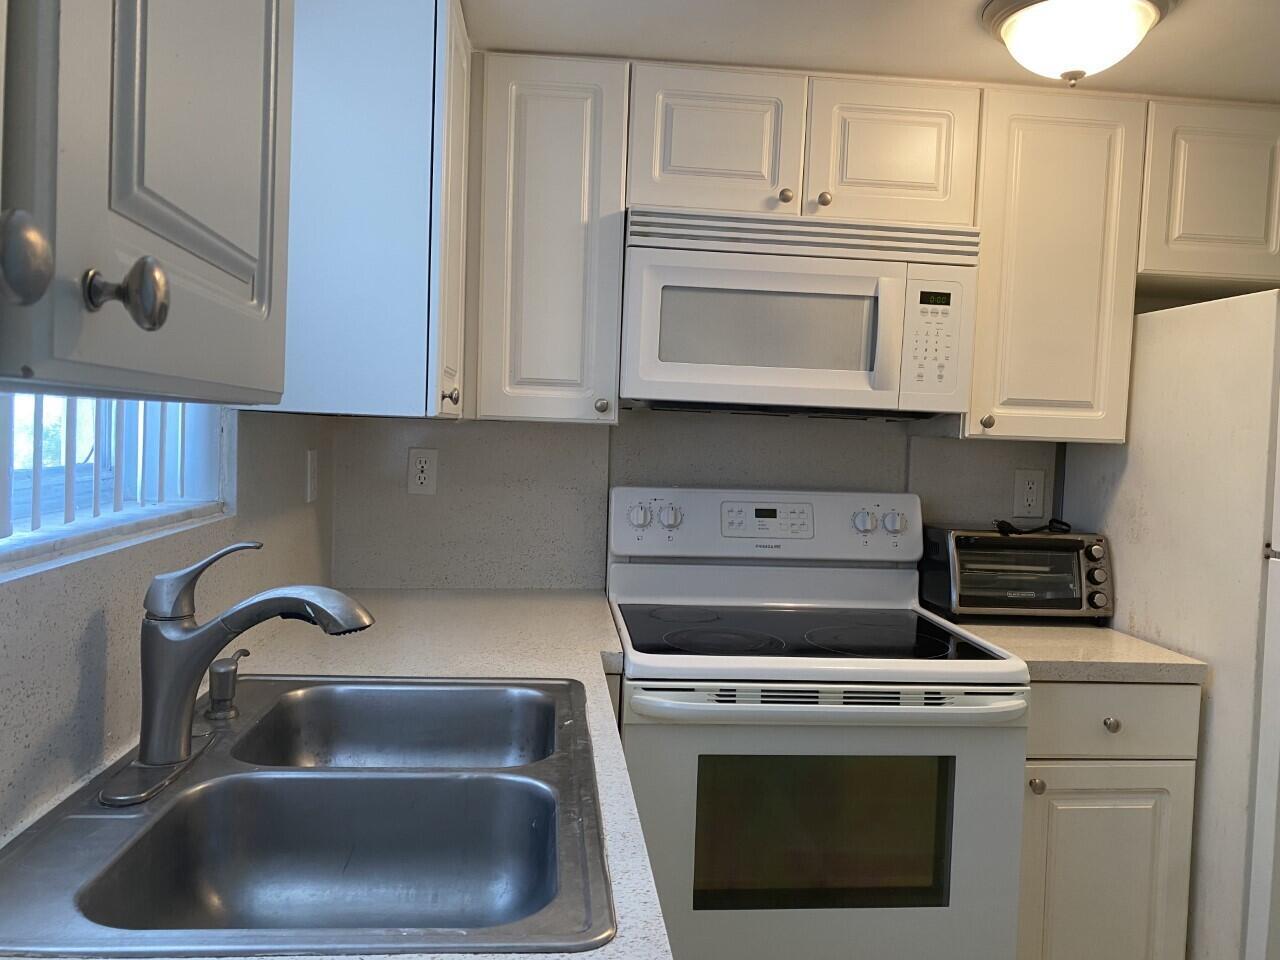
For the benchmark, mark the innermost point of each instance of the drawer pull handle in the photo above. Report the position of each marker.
(1037, 786)
(1112, 724)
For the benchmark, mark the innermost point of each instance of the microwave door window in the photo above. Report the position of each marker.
(1020, 578)
(819, 832)
(767, 328)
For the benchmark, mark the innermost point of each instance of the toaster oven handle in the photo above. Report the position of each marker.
(662, 708)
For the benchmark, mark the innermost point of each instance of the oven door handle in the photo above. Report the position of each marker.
(662, 708)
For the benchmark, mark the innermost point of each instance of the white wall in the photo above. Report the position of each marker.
(69, 689)
(524, 505)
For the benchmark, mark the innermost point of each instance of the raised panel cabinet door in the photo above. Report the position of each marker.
(172, 141)
(716, 139)
(1106, 861)
(1212, 203)
(1060, 201)
(901, 152)
(551, 238)
(447, 292)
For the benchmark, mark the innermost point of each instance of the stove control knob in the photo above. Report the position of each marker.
(864, 521)
(670, 516)
(894, 522)
(1098, 600)
(638, 516)
(1095, 552)
(1097, 576)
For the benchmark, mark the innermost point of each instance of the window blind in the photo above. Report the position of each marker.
(68, 463)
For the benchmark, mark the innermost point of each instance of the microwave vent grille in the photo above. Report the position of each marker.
(800, 236)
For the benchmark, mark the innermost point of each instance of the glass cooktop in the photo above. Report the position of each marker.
(831, 632)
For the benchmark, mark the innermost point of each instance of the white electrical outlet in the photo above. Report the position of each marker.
(1028, 494)
(313, 476)
(422, 471)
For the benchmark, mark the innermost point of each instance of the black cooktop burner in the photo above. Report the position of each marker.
(712, 641)
(793, 632)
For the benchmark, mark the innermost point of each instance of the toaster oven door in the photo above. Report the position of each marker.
(1017, 574)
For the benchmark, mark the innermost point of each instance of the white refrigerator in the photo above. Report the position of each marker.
(1190, 506)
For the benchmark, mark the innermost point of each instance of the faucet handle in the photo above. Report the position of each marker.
(172, 596)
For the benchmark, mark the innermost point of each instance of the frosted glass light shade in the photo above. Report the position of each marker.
(1070, 39)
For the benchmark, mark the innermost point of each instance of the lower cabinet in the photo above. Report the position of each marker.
(1106, 841)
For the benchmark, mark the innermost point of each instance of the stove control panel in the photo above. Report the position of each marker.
(676, 522)
(766, 521)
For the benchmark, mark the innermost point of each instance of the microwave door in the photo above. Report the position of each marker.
(738, 328)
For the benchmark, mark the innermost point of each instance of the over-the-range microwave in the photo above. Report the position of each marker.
(791, 311)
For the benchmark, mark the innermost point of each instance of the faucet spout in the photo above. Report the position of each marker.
(176, 651)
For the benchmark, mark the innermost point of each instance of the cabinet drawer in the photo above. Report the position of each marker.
(1156, 721)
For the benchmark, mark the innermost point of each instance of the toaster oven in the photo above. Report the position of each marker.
(988, 573)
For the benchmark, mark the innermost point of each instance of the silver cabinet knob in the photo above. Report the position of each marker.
(786, 194)
(26, 259)
(1112, 724)
(1038, 786)
(452, 396)
(988, 421)
(824, 199)
(144, 291)
(602, 405)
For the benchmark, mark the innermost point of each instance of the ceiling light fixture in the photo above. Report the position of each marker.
(1072, 39)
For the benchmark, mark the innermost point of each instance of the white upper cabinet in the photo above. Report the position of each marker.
(716, 139)
(1060, 202)
(153, 130)
(551, 237)
(1212, 201)
(377, 256)
(899, 152)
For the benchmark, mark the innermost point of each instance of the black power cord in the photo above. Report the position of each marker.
(1007, 529)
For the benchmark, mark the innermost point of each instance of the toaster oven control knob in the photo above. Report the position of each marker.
(864, 521)
(1097, 576)
(1095, 552)
(893, 522)
(670, 516)
(638, 516)
(1098, 600)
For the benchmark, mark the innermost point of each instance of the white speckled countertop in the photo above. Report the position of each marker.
(497, 633)
(1083, 653)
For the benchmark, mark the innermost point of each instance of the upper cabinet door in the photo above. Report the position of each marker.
(903, 152)
(716, 139)
(551, 238)
(172, 141)
(448, 281)
(1060, 202)
(1212, 204)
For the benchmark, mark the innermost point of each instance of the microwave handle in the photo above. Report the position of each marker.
(677, 711)
(891, 309)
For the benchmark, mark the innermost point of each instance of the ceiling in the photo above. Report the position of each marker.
(1227, 49)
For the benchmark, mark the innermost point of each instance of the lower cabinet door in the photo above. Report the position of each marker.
(1106, 859)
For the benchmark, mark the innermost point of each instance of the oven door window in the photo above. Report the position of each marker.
(794, 832)
(1048, 579)
(767, 328)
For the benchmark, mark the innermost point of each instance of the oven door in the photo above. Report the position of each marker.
(784, 821)
(744, 328)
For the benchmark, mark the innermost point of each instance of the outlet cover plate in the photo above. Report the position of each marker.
(421, 476)
(1028, 494)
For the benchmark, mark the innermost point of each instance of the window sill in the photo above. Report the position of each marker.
(26, 554)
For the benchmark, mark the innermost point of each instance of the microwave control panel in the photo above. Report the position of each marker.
(801, 525)
(937, 338)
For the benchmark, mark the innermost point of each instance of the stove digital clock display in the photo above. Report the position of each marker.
(766, 514)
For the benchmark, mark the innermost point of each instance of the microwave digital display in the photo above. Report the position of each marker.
(770, 513)
(934, 298)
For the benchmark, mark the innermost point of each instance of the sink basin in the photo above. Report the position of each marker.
(403, 725)
(349, 815)
(251, 852)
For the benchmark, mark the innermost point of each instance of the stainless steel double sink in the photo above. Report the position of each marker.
(341, 815)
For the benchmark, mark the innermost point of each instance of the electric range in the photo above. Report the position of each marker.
(817, 760)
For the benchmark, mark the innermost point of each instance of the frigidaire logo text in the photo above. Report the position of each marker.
(767, 546)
